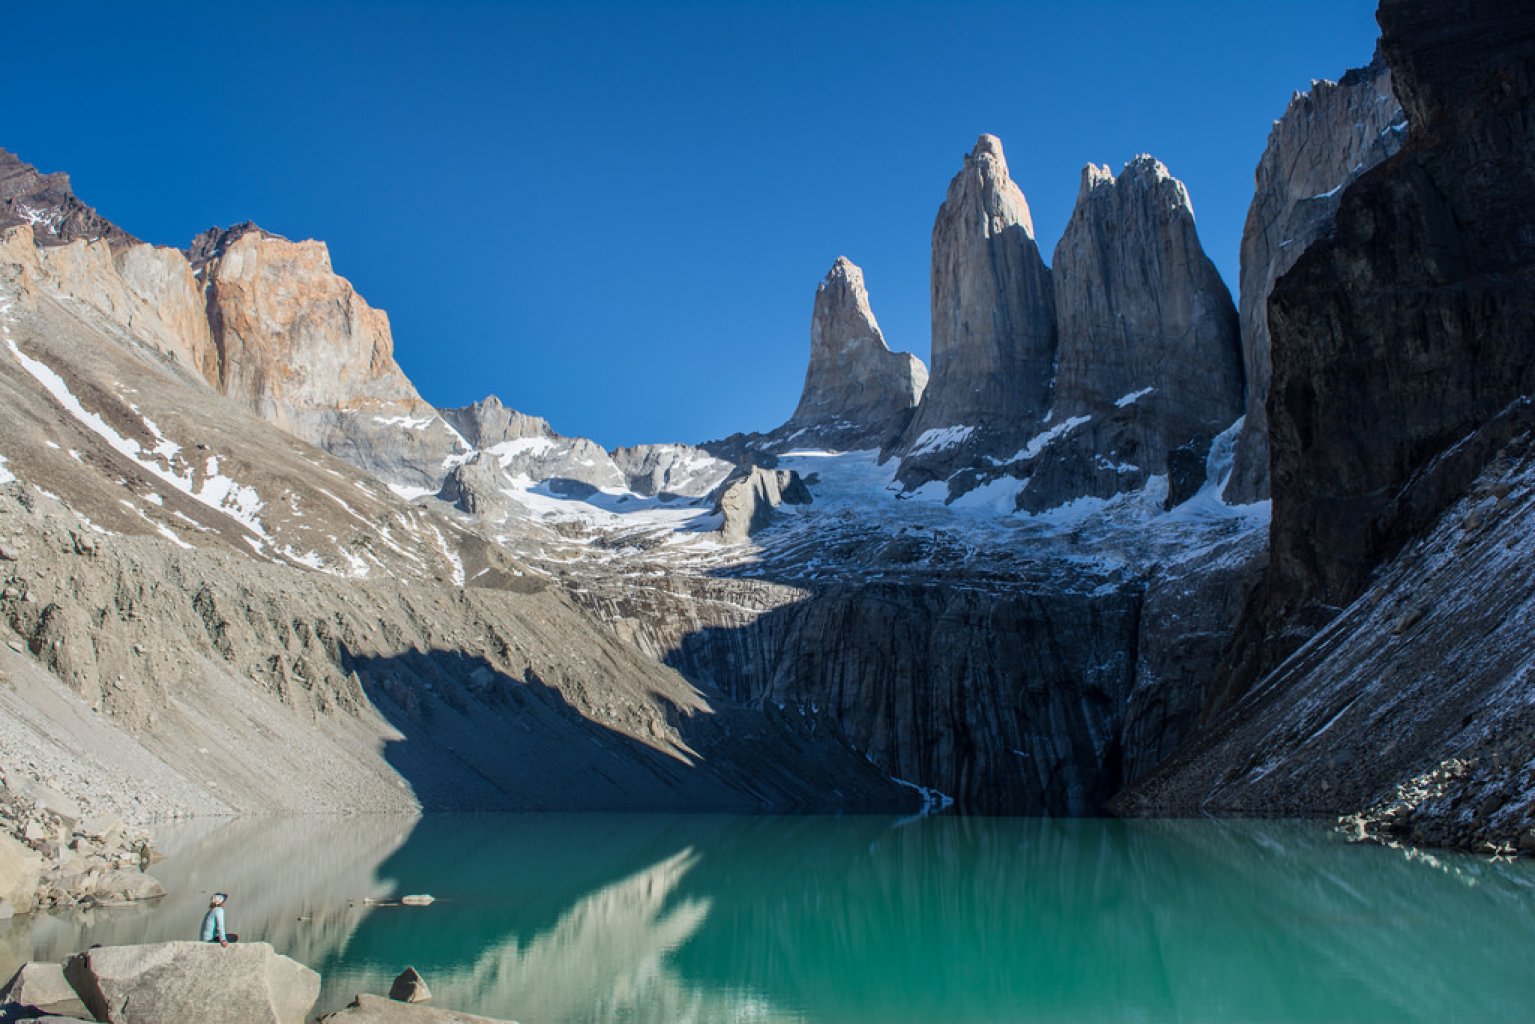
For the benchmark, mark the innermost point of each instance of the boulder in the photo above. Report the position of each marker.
(378, 1010)
(41, 988)
(410, 987)
(245, 983)
(20, 870)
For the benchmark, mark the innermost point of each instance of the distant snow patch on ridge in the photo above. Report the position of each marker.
(939, 438)
(6, 476)
(1132, 397)
(218, 492)
(408, 422)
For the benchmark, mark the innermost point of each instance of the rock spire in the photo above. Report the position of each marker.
(857, 392)
(993, 323)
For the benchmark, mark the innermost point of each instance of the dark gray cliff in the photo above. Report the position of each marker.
(1396, 602)
(993, 326)
(1326, 139)
(1149, 358)
(858, 393)
(49, 204)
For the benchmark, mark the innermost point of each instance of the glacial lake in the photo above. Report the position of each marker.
(549, 919)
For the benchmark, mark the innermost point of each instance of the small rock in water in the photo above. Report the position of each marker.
(418, 901)
(409, 987)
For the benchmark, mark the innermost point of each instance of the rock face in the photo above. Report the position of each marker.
(747, 503)
(858, 393)
(48, 204)
(477, 486)
(1326, 139)
(993, 325)
(1149, 353)
(1402, 344)
(1403, 358)
(247, 983)
(299, 347)
(670, 470)
(487, 423)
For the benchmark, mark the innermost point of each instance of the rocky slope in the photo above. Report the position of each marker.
(1326, 139)
(1400, 423)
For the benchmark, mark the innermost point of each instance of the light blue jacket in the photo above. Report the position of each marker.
(213, 924)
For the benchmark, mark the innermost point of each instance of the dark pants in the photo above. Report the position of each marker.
(230, 938)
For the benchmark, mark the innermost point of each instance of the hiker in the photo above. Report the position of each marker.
(213, 921)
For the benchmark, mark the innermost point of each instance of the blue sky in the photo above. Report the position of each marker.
(615, 215)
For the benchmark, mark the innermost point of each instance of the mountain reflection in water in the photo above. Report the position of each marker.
(649, 918)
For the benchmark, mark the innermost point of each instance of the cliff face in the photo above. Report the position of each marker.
(858, 393)
(1411, 330)
(993, 325)
(1396, 604)
(1326, 139)
(299, 347)
(1149, 359)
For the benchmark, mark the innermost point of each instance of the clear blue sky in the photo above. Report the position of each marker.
(615, 215)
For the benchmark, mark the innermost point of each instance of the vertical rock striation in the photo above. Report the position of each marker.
(1149, 359)
(858, 393)
(1326, 139)
(993, 325)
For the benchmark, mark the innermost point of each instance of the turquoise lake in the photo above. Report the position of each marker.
(547, 919)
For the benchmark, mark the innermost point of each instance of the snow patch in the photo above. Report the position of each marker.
(1132, 397)
(939, 438)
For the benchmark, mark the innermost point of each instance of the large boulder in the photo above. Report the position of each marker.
(246, 983)
(20, 870)
(39, 988)
(378, 1010)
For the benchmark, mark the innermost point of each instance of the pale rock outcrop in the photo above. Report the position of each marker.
(993, 318)
(858, 393)
(1326, 139)
(245, 983)
(20, 870)
(299, 347)
(488, 422)
(1149, 358)
(49, 205)
(678, 470)
(366, 1009)
(477, 486)
(747, 503)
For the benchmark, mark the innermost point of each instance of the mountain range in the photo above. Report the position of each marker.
(1129, 544)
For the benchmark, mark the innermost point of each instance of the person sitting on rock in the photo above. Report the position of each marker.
(213, 921)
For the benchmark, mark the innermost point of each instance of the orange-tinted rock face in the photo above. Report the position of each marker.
(295, 340)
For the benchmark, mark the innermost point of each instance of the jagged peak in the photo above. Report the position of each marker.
(212, 243)
(985, 180)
